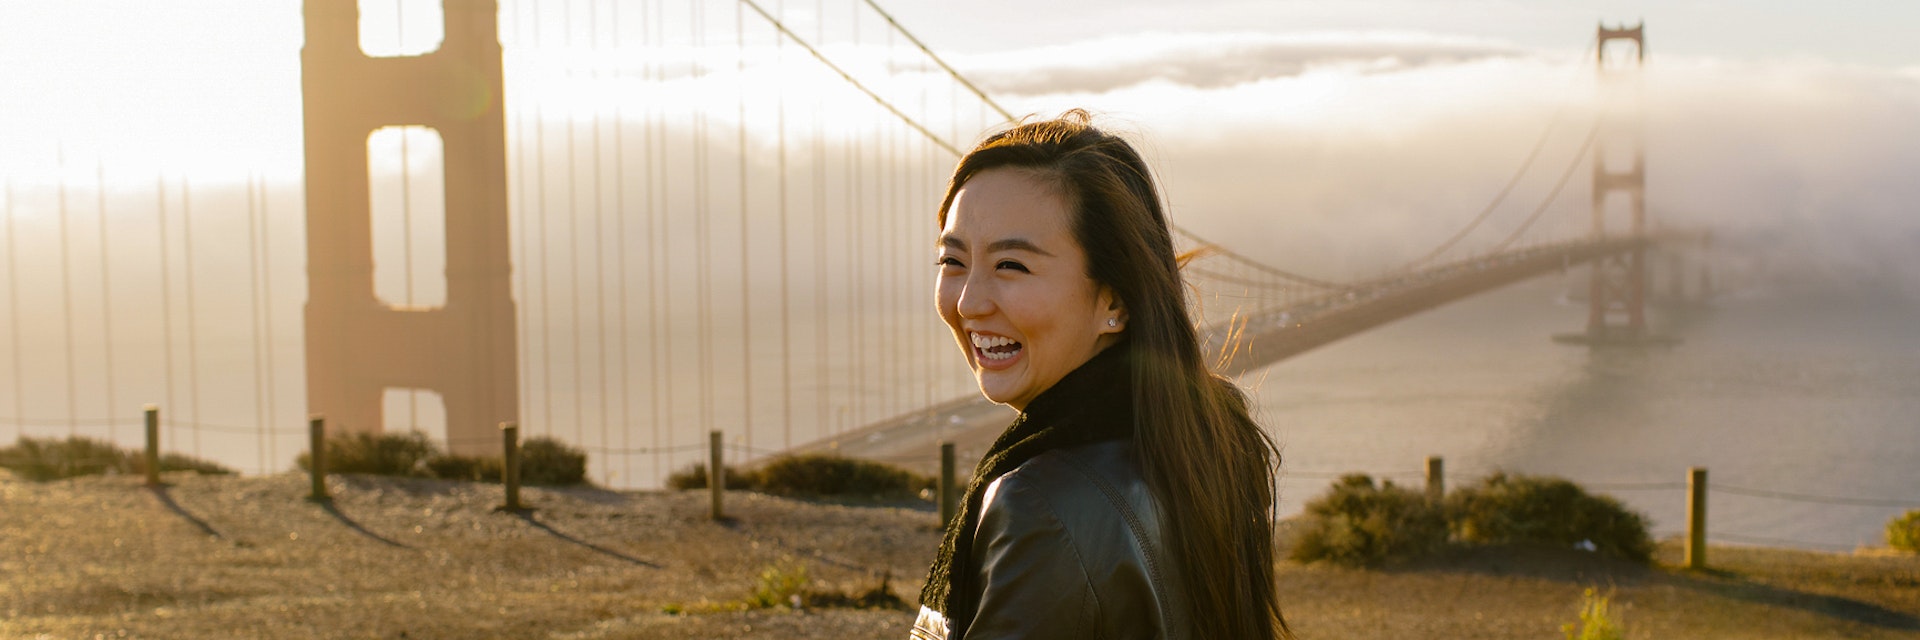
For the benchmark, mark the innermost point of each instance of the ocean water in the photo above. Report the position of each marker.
(1812, 392)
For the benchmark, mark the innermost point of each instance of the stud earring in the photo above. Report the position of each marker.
(1113, 322)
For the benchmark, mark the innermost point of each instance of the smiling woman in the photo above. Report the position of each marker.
(1132, 497)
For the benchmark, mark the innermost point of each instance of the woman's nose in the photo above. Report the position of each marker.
(976, 298)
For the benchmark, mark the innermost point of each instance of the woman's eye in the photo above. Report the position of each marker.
(949, 261)
(1009, 264)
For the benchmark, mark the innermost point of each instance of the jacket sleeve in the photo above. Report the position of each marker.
(1033, 581)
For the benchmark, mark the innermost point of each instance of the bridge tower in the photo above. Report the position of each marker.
(357, 346)
(1617, 294)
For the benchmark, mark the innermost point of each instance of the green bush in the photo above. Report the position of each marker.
(695, 477)
(465, 468)
(1519, 508)
(52, 459)
(813, 475)
(1359, 523)
(543, 460)
(1903, 532)
(546, 461)
(816, 474)
(383, 454)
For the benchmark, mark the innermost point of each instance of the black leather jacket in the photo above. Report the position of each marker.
(1070, 545)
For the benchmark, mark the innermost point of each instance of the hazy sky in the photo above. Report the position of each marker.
(1868, 32)
(1380, 122)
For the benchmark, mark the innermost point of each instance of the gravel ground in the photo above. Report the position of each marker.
(390, 558)
(393, 558)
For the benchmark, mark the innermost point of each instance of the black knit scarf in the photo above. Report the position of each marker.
(1090, 404)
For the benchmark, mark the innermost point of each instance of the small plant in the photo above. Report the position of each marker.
(781, 584)
(1596, 623)
(1360, 523)
(1903, 532)
(50, 459)
(1519, 508)
(546, 461)
(786, 583)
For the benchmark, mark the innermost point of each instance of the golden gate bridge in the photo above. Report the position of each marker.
(623, 224)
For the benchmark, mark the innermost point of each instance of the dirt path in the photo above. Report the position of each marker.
(250, 558)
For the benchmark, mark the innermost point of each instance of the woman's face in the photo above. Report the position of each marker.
(1014, 288)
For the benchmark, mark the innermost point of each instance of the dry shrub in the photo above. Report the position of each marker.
(546, 461)
(813, 475)
(695, 477)
(543, 460)
(816, 474)
(1542, 509)
(1903, 532)
(52, 459)
(1359, 523)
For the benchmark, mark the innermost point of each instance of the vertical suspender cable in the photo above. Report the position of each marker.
(266, 305)
(573, 233)
(253, 295)
(66, 297)
(193, 338)
(519, 186)
(884, 189)
(106, 300)
(660, 404)
(746, 281)
(786, 328)
(703, 197)
(406, 209)
(620, 257)
(599, 239)
(166, 292)
(546, 275)
(856, 193)
(13, 308)
(822, 379)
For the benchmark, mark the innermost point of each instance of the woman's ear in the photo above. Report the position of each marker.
(1113, 311)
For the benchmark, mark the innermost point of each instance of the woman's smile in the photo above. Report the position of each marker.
(994, 352)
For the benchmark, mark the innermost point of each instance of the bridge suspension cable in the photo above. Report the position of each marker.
(1486, 212)
(844, 75)
(1578, 157)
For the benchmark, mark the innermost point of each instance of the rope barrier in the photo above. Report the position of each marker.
(1801, 497)
(1764, 540)
(643, 450)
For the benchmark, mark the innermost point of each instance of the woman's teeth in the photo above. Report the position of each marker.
(995, 347)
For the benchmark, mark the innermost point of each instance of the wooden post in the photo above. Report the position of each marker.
(716, 475)
(317, 455)
(1436, 478)
(948, 492)
(1697, 518)
(153, 446)
(510, 464)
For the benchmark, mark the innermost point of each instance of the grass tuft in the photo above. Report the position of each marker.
(42, 459)
(1596, 620)
(1903, 532)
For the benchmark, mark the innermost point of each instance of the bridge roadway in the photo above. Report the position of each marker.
(1264, 337)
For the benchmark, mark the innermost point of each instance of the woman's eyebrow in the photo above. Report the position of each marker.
(1016, 244)
(1008, 244)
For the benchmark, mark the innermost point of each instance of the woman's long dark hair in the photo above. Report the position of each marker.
(1208, 463)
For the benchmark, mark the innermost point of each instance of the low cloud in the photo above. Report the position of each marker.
(1312, 159)
(1211, 61)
